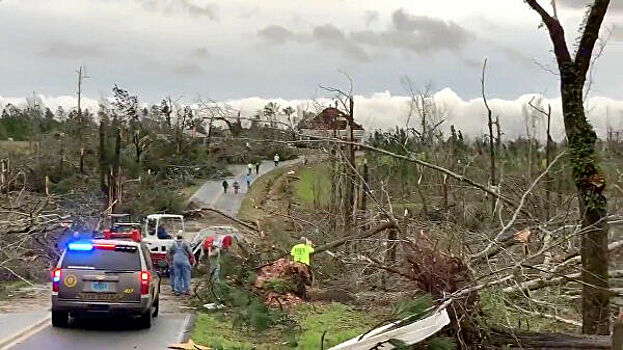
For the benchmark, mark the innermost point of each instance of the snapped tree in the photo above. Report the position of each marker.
(585, 166)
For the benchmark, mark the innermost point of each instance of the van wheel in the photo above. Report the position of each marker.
(144, 321)
(60, 319)
(156, 307)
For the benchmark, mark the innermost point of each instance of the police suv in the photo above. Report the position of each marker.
(105, 277)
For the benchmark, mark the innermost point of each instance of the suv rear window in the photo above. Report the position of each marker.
(99, 259)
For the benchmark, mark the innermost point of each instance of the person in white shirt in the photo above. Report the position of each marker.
(276, 159)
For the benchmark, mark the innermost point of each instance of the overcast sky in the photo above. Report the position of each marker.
(237, 49)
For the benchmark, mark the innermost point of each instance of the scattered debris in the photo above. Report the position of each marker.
(285, 281)
(384, 337)
(189, 345)
(213, 306)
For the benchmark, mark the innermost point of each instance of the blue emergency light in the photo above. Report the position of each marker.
(80, 246)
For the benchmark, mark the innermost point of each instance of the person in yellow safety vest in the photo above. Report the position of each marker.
(302, 251)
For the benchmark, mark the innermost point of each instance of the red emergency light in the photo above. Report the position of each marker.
(134, 235)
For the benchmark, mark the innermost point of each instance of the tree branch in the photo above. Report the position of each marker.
(556, 33)
(589, 37)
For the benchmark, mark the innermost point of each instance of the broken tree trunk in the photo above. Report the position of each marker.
(528, 340)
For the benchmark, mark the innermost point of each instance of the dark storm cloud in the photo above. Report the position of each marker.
(200, 52)
(331, 37)
(616, 5)
(66, 50)
(185, 68)
(275, 34)
(208, 10)
(420, 34)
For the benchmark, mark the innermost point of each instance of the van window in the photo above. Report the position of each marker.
(98, 259)
(147, 256)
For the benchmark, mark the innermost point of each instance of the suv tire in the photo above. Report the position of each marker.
(144, 320)
(156, 307)
(60, 319)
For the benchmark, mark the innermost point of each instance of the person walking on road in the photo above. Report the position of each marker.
(257, 168)
(250, 166)
(276, 159)
(182, 258)
(236, 187)
(225, 185)
(248, 179)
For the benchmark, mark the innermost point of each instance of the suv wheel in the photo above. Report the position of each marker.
(156, 307)
(144, 320)
(60, 319)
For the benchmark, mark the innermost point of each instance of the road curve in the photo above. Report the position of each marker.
(210, 194)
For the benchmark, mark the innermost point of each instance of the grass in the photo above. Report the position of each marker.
(258, 194)
(341, 322)
(314, 185)
(15, 147)
(215, 331)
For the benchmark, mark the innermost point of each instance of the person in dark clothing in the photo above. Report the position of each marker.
(225, 185)
(162, 233)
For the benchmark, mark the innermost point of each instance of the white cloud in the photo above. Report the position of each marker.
(385, 111)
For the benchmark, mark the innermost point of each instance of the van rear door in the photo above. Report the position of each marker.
(109, 274)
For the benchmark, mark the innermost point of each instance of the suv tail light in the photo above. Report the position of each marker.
(56, 279)
(145, 277)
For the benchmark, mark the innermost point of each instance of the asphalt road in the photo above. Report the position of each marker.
(210, 194)
(109, 334)
(170, 327)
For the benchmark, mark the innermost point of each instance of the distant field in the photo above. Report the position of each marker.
(20, 147)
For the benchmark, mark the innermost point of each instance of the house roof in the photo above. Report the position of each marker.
(330, 118)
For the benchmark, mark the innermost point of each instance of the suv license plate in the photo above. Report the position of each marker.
(100, 286)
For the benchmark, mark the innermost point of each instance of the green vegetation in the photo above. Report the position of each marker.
(216, 331)
(496, 311)
(442, 343)
(314, 185)
(341, 322)
(14, 147)
(7, 287)
(258, 194)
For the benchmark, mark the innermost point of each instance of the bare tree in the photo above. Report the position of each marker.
(491, 137)
(589, 182)
(81, 121)
(347, 103)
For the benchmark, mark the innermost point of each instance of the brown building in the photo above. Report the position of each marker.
(331, 122)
